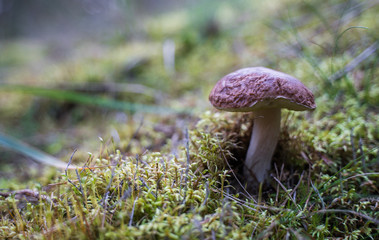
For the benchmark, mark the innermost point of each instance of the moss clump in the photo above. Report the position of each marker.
(195, 195)
(324, 177)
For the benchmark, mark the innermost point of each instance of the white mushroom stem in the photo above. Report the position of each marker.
(263, 141)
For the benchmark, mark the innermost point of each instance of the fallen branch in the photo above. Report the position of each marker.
(28, 194)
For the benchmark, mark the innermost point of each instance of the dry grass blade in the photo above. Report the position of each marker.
(374, 220)
(132, 213)
(286, 191)
(248, 204)
(355, 62)
(362, 175)
(227, 162)
(35, 154)
(319, 195)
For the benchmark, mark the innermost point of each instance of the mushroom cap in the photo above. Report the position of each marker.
(255, 88)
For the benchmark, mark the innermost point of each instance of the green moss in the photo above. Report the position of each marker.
(152, 181)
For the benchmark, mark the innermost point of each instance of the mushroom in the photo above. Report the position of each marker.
(262, 91)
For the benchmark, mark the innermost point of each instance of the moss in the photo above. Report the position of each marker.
(148, 179)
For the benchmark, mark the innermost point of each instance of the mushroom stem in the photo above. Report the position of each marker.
(263, 141)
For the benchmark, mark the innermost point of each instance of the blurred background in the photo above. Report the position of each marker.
(80, 18)
(134, 74)
(82, 74)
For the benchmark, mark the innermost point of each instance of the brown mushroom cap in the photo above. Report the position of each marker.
(254, 88)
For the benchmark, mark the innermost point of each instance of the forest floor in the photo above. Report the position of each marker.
(129, 146)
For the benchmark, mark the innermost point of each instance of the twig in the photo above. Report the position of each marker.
(28, 192)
